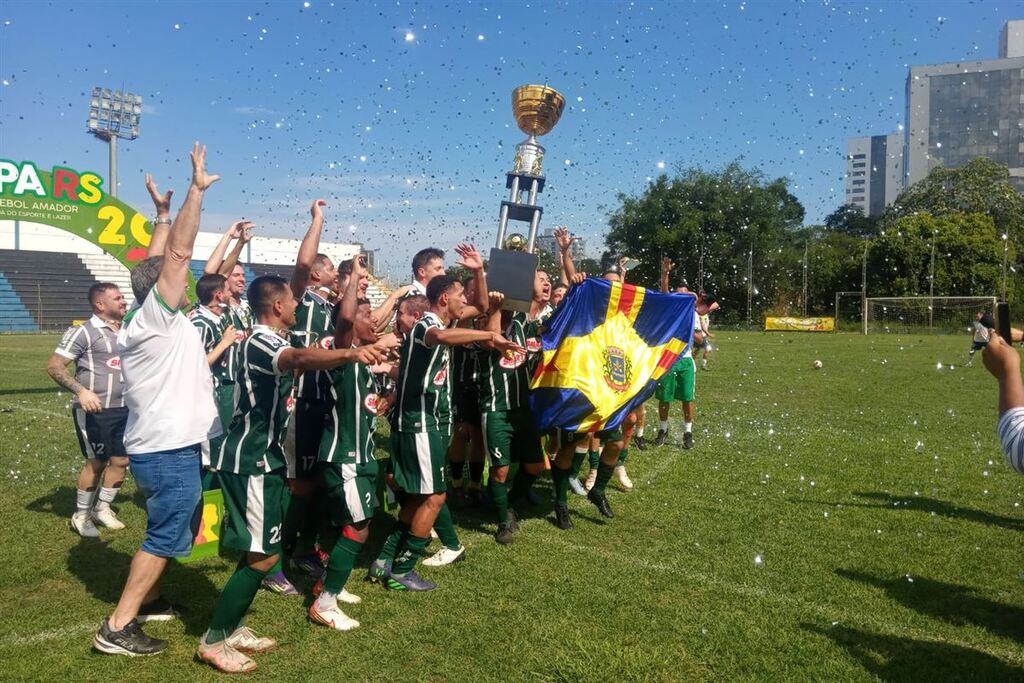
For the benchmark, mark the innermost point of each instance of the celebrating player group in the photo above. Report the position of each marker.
(273, 393)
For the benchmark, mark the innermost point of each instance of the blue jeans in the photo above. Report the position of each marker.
(171, 481)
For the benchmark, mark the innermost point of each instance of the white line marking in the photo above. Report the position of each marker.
(52, 634)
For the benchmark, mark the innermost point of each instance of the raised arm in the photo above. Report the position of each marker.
(307, 250)
(343, 328)
(666, 267)
(174, 273)
(162, 222)
(471, 259)
(564, 240)
(315, 358)
(244, 236)
(382, 314)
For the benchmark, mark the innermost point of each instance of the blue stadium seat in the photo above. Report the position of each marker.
(14, 317)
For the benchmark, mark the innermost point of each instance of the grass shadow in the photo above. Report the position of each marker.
(30, 390)
(61, 501)
(939, 507)
(952, 603)
(892, 658)
(102, 570)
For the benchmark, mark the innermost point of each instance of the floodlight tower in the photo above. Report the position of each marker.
(114, 114)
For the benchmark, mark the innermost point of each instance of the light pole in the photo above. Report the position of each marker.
(114, 114)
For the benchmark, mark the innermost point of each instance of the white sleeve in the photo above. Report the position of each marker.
(1011, 434)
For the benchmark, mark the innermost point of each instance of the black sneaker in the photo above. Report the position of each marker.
(129, 641)
(660, 439)
(688, 440)
(639, 442)
(157, 610)
(562, 519)
(504, 535)
(513, 521)
(601, 501)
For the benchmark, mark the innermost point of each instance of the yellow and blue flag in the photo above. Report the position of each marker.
(604, 350)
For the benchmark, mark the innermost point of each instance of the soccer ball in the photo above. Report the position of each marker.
(817, 365)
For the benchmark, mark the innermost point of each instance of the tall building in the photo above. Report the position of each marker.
(874, 172)
(546, 242)
(961, 111)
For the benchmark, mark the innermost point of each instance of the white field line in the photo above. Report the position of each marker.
(39, 410)
(52, 634)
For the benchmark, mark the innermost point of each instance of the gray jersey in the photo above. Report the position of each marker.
(93, 347)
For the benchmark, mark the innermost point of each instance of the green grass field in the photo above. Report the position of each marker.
(874, 489)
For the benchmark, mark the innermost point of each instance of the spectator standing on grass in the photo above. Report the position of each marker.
(168, 390)
(97, 408)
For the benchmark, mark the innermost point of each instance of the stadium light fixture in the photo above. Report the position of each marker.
(114, 114)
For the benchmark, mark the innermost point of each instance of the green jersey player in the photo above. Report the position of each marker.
(252, 467)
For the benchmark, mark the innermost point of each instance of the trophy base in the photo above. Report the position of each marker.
(512, 273)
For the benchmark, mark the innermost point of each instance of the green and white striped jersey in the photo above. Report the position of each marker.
(314, 326)
(262, 407)
(423, 401)
(349, 429)
(241, 316)
(211, 329)
(533, 340)
(464, 359)
(503, 382)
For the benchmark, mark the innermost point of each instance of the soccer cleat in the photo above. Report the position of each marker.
(445, 556)
(310, 564)
(591, 479)
(244, 640)
(378, 571)
(129, 641)
(504, 535)
(639, 442)
(512, 520)
(659, 440)
(409, 582)
(601, 502)
(223, 657)
(577, 486)
(562, 519)
(106, 517)
(344, 595)
(332, 617)
(624, 481)
(433, 534)
(157, 610)
(279, 583)
(81, 523)
(688, 440)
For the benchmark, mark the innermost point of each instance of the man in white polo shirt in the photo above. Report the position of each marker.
(168, 390)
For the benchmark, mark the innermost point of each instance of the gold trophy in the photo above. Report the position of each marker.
(511, 268)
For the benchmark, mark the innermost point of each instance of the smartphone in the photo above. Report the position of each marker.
(1003, 321)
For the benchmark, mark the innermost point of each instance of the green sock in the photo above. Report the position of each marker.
(390, 548)
(577, 463)
(623, 454)
(521, 484)
(595, 458)
(343, 558)
(499, 496)
(560, 478)
(604, 475)
(234, 602)
(406, 560)
(293, 519)
(445, 528)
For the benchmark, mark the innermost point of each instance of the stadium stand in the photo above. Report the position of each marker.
(14, 317)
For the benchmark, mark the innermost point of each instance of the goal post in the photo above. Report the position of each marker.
(935, 314)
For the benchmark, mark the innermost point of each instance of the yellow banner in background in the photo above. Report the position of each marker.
(799, 324)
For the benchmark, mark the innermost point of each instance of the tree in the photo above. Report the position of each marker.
(850, 220)
(725, 216)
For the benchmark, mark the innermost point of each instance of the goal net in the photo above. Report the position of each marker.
(939, 314)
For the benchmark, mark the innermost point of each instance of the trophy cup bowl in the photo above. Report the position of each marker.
(536, 108)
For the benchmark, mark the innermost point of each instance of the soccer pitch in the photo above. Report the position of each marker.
(873, 493)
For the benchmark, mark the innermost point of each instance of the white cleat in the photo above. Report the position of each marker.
(445, 556)
(349, 598)
(624, 481)
(332, 617)
(591, 480)
(106, 517)
(244, 640)
(576, 486)
(223, 657)
(81, 523)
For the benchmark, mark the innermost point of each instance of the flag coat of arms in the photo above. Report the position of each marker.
(604, 350)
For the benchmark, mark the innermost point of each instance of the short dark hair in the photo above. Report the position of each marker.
(345, 267)
(416, 304)
(438, 285)
(97, 289)
(707, 299)
(144, 277)
(321, 260)
(560, 285)
(209, 285)
(262, 291)
(423, 257)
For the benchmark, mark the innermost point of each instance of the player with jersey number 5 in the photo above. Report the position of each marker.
(251, 463)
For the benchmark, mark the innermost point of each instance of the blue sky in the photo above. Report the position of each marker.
(398, 112)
